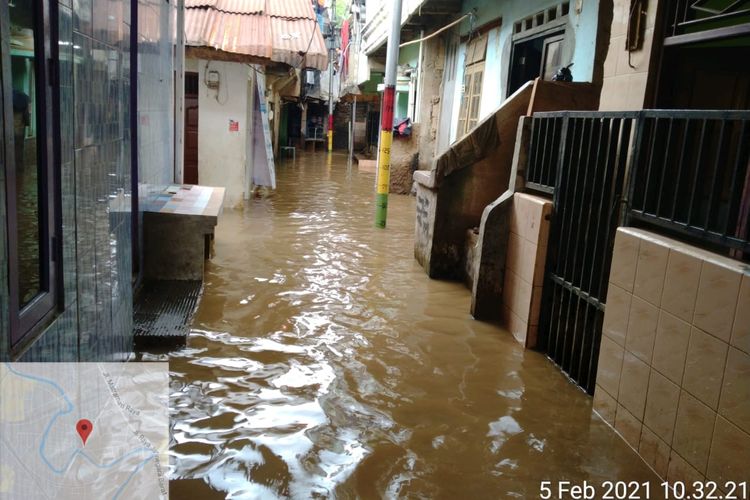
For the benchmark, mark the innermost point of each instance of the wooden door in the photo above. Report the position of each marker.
(191, 128)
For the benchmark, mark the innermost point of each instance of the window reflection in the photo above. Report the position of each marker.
(27, 164)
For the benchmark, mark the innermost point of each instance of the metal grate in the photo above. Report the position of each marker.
(541, 171)
(689, 177)
(590, 168)
(685, 173)
(163, 312)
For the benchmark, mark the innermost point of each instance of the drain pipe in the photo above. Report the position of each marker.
(386, 118)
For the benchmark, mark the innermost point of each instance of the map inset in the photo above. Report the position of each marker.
(84, 430)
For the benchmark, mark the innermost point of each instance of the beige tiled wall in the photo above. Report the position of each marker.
(625, 76)
(674, 363)
(524, 266)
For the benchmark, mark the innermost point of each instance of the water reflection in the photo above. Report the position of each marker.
(324, 363)
(26, 153)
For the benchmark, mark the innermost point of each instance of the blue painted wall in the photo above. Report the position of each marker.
(580, 32)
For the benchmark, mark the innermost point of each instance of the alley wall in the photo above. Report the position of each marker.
(94, 319)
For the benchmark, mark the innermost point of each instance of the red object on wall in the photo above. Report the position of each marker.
(234, 126)
(345, 48)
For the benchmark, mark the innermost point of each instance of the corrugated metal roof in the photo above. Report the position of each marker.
(243, 27)
(230, 6)
(238, 33)
(290, 9)
(199, 3)
(289, 38)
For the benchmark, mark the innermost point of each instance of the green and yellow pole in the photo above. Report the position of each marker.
(386, 121)
(384, 156)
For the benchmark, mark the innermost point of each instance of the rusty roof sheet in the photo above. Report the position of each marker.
(238, 33)
(290, 9)
(238, 26)
(230, 6)
(290, 37)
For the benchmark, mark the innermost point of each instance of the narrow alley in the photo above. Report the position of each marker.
(323, 362)
(355, 249)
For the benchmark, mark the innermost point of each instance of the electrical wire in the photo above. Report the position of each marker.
(411, 42)
(303, 55)
(255, 69)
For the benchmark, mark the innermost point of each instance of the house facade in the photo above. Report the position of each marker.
(460, 60)
(276, 47)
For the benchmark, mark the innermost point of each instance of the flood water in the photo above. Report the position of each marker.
(324, 363)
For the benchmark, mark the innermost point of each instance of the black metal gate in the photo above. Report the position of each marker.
(581, 159)
(682, 173)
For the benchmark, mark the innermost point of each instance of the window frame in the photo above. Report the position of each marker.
(473, 77)
(25, 323)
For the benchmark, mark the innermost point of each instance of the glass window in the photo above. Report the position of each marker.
(26, 164)
(29, 179)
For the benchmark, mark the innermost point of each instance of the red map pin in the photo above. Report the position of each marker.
(84, 428)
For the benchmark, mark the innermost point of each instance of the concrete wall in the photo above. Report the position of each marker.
(428, 96)
(95, 167)
(222, 153)
(467, 177)
(626, 75)
(342, 119)
(524, 266)
(404, 159)
(674, 365)
(425, 220)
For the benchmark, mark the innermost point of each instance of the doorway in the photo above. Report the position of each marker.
(538, 56)
(705, 77)
(191, 128)
(294, 124)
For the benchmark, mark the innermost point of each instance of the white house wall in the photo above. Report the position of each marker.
(375, 32)
(491, 99)
(221, 152)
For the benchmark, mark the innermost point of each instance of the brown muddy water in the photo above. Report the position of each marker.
(324, 363)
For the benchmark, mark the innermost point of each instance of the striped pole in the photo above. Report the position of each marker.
(331, 52)
(386, 118)
(330, 131)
